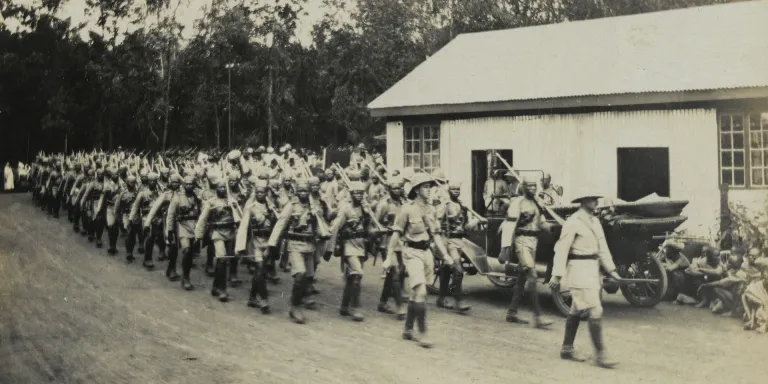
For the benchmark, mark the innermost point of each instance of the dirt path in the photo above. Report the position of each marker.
(69, 313)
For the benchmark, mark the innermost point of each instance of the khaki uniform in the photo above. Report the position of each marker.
(300, 229)
(254, 229)
(521, 228)
(579, 254)
(417, 223)
(352, 227)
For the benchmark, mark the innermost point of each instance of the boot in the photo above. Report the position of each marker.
(409, 320)
(234, 281)
(517, 295)
(567, 352)
(421, 320)
(456, 289)
(258, 297)
(170, 271)
(186, 267)
(445, 288)
(129, 257)
(209, 270)
(299, 287)
(356, 288)
(346, 297)
(540, 321)
(596, 333)
(220, 281)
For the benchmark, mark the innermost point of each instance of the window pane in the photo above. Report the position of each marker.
(765, 176)
(726, 175)
(757, 177)
(427, 161)
(726, 159)
(725, 141)
(754, 122)
(436, 132)
(756, 160)
(765, 138)
(754, 140)
(436, 161)
(725, 123)
(416, 147)
(738, 123)
(738, 159)
(738, 177)
(436, 147)
(738, 140)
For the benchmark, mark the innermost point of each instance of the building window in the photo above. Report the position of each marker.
(422, 146)
(744, 149)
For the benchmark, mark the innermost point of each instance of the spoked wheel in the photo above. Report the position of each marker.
(503, 281)
(433, 287)
(562, 301)
(645, 294)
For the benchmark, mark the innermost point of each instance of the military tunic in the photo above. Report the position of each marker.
(300, 227)
(417, 225)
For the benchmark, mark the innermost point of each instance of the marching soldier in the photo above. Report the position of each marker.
(218, 215)
(316, 199)
(579, 254)
(183, 213)
(210, 193)
(352, 227)
(376, 190)
(299, 226)
(55, 184)
(417, 226)
(139, 212)
(154, 227)
(109, 202)
(71, 178)
(123, 205)
(386, 212)
(456, 221)
(80, 218)
(524, 223)
(88, 203)
(253, 238)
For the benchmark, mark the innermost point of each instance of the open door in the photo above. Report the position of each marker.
(642, 171)
(484, 163)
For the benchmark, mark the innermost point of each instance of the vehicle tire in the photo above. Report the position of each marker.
(645, 295)
(503, 282)
(433, 287)
(563, 301)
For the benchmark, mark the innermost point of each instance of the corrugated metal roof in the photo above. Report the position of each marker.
(701, 48)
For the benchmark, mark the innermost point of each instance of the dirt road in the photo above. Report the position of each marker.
(70, 313)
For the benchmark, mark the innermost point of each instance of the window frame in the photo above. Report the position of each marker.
(747, 131)
(408, 137)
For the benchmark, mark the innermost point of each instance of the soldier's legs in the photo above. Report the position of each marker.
(457, 279)
(148, 248)
(159, 238)
(173, 255)
(142, 236)
(588, 301)
(353, 273)
(186, 262)
(420, 266)
(98, 229)
(112, 232)
(130, 240)
(210, 252)
(299, 285)
(284, 256)
(220, 274)
(259, 296)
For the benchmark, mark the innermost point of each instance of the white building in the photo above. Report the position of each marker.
(670, 102)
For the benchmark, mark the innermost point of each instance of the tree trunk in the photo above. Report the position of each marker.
(167, 102)
(270, 121)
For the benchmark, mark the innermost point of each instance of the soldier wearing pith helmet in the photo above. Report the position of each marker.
(417, 226)
(579, 254)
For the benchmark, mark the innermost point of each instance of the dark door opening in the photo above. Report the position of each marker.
(642, 171)
(483, 163)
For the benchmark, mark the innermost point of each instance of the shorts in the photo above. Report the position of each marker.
(302, 262)
(585, 298)
(525, 250)
(352, 265)
(420, 266)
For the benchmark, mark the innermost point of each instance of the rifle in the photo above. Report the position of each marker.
(366, 209)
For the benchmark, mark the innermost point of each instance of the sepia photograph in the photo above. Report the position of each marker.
(383, 191)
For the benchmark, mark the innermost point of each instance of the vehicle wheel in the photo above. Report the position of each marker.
(503, 282)
(562, 301)
(643, 294)
(433, 287)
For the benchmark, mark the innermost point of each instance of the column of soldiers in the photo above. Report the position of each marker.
(267, 210)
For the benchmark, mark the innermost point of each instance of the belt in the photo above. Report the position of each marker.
(420, 245)
(353, 235)
(261, 232)
(222, 225)
(457, 235)
(526, 232)
(300, 236)
(583, 257)
(187, 217)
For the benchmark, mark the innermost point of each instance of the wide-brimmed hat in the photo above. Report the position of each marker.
(586, 198)
(418, 180)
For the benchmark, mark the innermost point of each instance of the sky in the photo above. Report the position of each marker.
(75, 9)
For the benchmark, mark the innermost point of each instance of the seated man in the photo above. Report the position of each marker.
(705, 268)
(726, 292)
(675, 262)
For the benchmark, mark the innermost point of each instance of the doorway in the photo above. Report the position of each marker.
(483, 163)
(642, 171)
